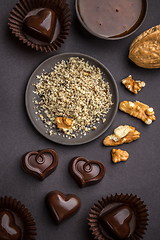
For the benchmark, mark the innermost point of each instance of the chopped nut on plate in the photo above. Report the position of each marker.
(119, 155)
(76, 90)
(133, 85)
(64, 123)
(122, 134)
(138, 110)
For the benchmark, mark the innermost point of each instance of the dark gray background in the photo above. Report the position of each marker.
(140, 175)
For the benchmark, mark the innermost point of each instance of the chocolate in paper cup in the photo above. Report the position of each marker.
(27, 8)
(16, 218)
(137, 225)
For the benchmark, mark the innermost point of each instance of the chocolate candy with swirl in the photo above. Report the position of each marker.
(86, 172)
(40, 164)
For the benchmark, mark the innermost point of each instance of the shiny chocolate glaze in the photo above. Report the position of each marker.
(8, 228)
(86, 172)
(116, 220)
(41, 26)
(113, 19)
(40, 164)
(62, 206)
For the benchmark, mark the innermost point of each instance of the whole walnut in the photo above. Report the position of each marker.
(145, 49)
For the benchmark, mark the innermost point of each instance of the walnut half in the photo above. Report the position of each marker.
(133, 85)
(63, 123)
(119, 155)
(122, 134)
(138, 110)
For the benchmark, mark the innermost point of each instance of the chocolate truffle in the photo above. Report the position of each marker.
(16, 222)
(40, 164)
(62, 206)
(8, 227)
(116, 221)
(85, 172)
(118, 217)
(42, 25)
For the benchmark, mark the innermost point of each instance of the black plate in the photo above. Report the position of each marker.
(40, 126)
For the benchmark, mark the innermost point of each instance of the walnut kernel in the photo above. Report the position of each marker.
(119, 155)
(138, 110)
(133, 85)
(125, 134)
(63, 123)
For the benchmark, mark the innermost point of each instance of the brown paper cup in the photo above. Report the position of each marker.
(138, 223)
(27, 8)
(23, 218)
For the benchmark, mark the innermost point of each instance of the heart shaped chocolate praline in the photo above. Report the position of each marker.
(115, 221)
(62, 206)
(8, 228)
(117, 217)
(40, 164)
(41, 26)
(86, 172)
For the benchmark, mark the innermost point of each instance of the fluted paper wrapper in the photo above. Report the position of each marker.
(24, 217)
(23, 9)
(135, 204)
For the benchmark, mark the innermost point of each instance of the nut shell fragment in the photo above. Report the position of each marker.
(145, 49)
(115, 140)
(138, 110)
(119, 155)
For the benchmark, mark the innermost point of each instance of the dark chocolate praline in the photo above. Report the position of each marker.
(59, 23)
(116, 221)
(16, 222)
(85, 172)
(8, 228)
(62, 206)
(41, 26)
(118, 217)
(40, 164)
